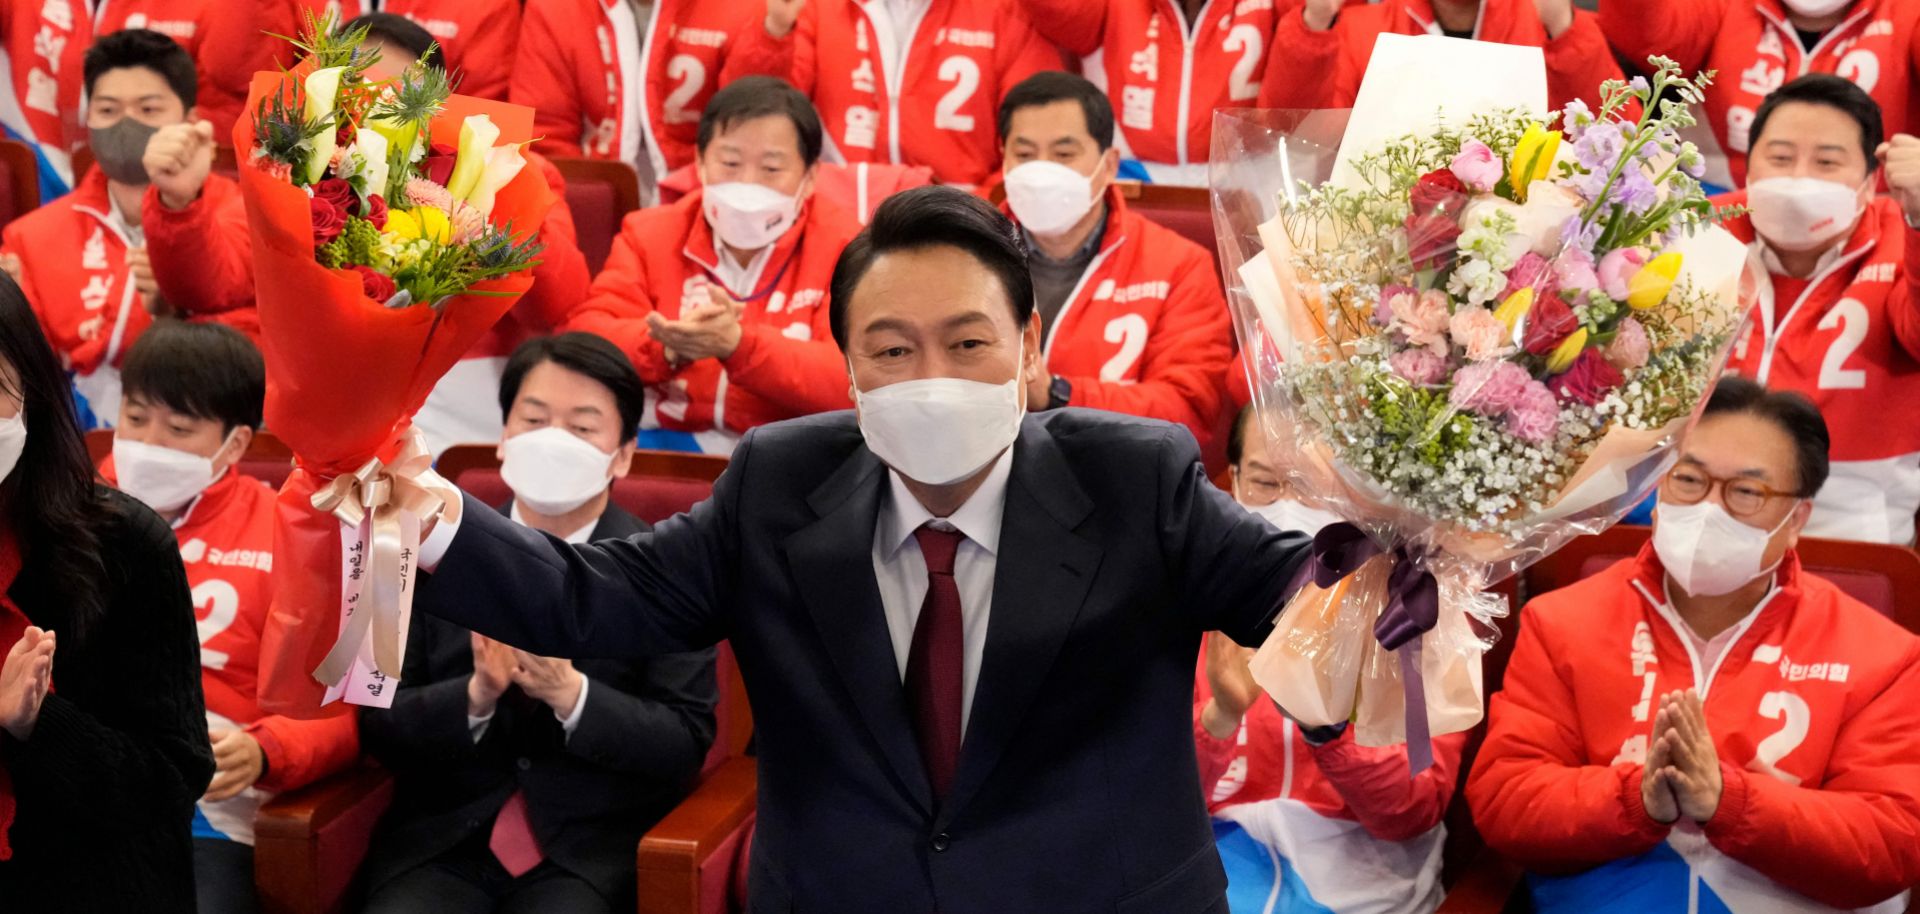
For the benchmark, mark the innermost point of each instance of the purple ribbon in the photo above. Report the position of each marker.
(1413, 608)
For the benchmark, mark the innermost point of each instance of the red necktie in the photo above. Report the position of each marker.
(512, 841)
(934, 663)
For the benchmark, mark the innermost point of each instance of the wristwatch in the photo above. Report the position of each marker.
(1059, 392)
(1320, 736)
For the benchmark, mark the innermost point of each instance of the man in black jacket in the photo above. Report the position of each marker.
(525, 782)
(969, 632)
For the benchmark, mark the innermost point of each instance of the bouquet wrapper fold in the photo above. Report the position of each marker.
(345, 374)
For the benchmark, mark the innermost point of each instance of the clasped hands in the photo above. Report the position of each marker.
(551, 681)
(1682, 776)
(709, 329)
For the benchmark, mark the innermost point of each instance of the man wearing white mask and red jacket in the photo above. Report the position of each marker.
(193, 400)
(1838, 320)
(1706, 726)
(524, 782)
(720, 299)
(1132, 316)
(1758, 45)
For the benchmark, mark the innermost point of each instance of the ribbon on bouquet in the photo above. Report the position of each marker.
(1413, 609)
(381, 508)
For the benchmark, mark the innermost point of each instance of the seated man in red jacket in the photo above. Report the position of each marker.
(149, 231)
(720, 298)
(228, 41)
(1707, 724)
(193, 400)
(1131, 313)
(1323, 70)
(1837, 319)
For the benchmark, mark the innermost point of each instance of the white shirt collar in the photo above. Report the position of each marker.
(978, 519)
(578, 537)
(1772, 260)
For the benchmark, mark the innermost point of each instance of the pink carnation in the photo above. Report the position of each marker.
(1476, 166)
(468, 224)
(1617, 270)
(1629, 347)
(1531, 272)
(1481, 334)
(1488, 388)
(1420, 366)
(1535, 415)
(1422, 319)
(422, 192)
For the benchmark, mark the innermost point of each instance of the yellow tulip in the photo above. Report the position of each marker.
(1568, 350)
(1649, 287)
(1532, 159)
(1515, 307)
(429, 222)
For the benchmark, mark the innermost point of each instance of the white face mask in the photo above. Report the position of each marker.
(1707, 551)
(552, 471)
(1047, 197)
(1816, 9)
(1802, 214)
(1292, 515)
(749, 216)
(938, 431)
(13, 442)
(162, 477)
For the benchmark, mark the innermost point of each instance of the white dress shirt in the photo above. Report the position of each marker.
(477, 726)
(901, 571)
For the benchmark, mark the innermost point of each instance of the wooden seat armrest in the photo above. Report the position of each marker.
(309, 842)
(671, 853)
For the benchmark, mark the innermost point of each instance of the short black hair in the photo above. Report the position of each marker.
(207, 371)
(754, 97)
(401, 32)
(1237, 437)
(1049, 86)
(587, 354)
(925, 217)
(1834, 92)
(142, 48)
(1792, 412)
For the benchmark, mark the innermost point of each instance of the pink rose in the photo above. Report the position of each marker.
(1476, 166)
(1531, 272)
(1617, 269)
(1573, 271)
(1535, 415)
(1422, 319)
(1481, 334)
(1630, 346)
(1488, 388)
(1587, 380)
(1549, 323)
(1419, 366)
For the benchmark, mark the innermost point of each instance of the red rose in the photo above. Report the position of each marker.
(376, 211)
(337, 192)
(1548, 323)
(1431, 240)
(1589, 379)
(439, 164)
(328, 220)
(373, 284)
(1440, 190)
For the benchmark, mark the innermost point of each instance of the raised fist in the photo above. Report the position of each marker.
(178, 158)
(1901, 158)
(781, 15)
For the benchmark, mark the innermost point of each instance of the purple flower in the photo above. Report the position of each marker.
(1639, 84)
(1488, 388)
(1535, 415)
(1580, 236)
(1599, 148)
(1419, 366)
(1633, 191)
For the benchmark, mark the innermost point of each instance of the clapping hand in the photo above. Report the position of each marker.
(493, 666)
(1320, 14)
(781, 15)
(25, 678)
(707, 330)
(1231, 681)
(550, 680)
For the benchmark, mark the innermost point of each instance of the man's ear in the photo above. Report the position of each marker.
(234, 448)
(622, 459)
(1797, 522)
(807, 184)
(1035, 360)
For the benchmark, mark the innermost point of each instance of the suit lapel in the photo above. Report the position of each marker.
(1041, 576)
(831, 562)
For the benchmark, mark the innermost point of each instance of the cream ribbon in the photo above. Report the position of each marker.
(376, 495)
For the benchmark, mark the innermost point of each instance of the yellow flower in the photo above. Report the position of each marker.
(1532, 159)
(401, 225)
(1649, 287)
(1568, 350)
(428, 222)
(1515, 307)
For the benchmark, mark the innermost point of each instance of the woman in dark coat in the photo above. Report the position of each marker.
(103, 730)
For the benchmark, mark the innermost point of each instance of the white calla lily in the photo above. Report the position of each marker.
(478, 133)
(372, 148)
(503, 164)
(323, 88)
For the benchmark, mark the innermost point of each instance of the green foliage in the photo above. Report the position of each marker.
(357, 245)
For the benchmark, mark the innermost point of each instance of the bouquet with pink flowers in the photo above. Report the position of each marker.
(1477, 340)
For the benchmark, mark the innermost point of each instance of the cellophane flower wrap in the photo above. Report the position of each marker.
(392, 225)
(1477, 330)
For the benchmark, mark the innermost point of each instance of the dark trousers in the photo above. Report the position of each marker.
(223, 877)
(469, 879)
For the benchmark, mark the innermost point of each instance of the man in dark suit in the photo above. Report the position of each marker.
(969, 633)
(526, 781)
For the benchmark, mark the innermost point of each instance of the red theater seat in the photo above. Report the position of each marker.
(659, 485)
(600, 193)
(19, 180)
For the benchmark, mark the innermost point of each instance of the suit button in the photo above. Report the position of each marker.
(941, 841)
(524, 764)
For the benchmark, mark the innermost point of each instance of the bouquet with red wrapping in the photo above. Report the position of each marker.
(392, 225)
